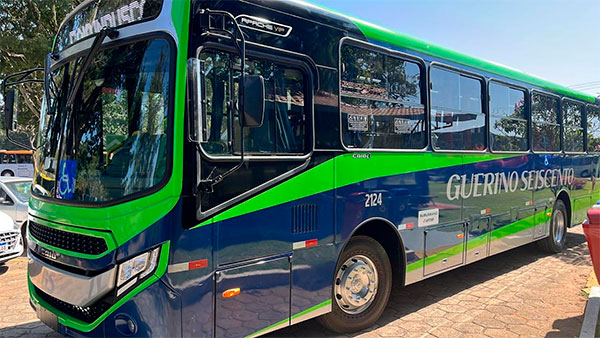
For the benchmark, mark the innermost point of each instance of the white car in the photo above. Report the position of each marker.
(11, 242)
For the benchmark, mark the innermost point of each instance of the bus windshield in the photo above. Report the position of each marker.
(112, 141)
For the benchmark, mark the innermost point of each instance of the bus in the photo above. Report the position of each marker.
(230, 168)
(16, 163)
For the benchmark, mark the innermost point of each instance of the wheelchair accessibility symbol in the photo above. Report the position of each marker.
(66, 179)
(546, 160)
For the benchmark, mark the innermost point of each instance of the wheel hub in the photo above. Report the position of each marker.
(356, 284)
(558, 229)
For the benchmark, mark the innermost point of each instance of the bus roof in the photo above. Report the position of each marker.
(387, 36)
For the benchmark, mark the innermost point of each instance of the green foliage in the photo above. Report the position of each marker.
(27, 28)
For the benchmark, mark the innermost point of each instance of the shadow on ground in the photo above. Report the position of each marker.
(33, 329)
(414, 297)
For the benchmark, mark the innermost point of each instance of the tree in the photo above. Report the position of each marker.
(27, 28)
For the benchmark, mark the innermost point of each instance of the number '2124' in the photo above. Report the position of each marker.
(373, 200)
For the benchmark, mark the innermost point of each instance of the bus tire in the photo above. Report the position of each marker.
(555, 242)
(361, 287)
(8, 173)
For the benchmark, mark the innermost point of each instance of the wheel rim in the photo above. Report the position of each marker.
(558, 229)
(356, 284)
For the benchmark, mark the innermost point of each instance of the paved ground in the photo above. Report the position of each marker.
(517, 293)
(521, 292)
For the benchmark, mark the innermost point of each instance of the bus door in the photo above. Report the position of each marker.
(266, 210)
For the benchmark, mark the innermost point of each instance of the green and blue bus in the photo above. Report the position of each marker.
(229, 168)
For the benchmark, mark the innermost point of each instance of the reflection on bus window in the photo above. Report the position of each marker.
(381, 101)
(457, 118)
(508, 118)
(545, 123)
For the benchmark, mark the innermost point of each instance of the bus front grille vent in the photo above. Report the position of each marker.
(304, 218)
(68, 240)
(85, 314)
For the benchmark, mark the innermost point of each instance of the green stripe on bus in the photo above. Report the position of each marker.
(319, 179)
(309, 310)
(257, 333)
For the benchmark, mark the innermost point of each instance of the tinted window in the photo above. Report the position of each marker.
(283, 130)
(381, 101)
(457, 119)
(545, 123)
(573, 126)
(508, 118)
(24, 158)
(593, 128)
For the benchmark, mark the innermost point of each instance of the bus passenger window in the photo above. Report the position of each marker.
(573, 127)
(545, 123)
(593, 129)
(457, 118)
(381, 101)
(508, 118)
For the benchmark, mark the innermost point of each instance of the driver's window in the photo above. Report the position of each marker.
(284, 126)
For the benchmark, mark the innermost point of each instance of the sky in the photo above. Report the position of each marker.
(557, 40)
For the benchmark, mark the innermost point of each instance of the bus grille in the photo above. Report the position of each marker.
(85, 314)
(68, 240)
(304, 218)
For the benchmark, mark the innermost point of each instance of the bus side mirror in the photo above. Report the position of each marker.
(254, 101)
(9, 109)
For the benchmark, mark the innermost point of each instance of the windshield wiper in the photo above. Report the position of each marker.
(104, 32)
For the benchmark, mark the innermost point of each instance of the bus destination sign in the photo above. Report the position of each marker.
(90, 19)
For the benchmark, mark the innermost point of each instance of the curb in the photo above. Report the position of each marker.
(592, 310)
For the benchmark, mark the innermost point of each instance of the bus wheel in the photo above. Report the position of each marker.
(555, 242)
(362, 286)
(8, 173)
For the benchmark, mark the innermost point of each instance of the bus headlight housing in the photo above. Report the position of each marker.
(135, 269)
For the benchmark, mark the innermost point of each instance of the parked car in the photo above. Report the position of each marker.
(14, 194)
(11, 241)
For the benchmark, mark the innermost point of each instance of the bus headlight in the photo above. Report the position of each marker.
(136, 269)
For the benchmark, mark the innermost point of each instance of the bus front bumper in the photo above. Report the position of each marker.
(68, 287)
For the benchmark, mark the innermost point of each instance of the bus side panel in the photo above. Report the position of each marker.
(512, 223)
(580, 189)
(411, 201)
(195, 286)
(312, 280)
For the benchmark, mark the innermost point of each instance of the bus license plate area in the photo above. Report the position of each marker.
(47, 317)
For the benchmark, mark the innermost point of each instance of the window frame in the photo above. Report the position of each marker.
(587, 106)
(564, 101)
(265, 53)
(484, 106)
(527, 108)
(423, 87)
(560, 120)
